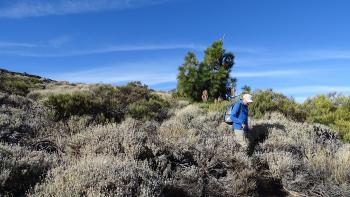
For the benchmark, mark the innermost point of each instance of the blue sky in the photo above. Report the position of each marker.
(297, 47)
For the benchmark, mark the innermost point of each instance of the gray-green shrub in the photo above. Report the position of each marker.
(21, 119)
(21, 169)
(308, 157)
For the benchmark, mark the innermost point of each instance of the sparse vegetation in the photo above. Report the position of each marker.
(103, 140)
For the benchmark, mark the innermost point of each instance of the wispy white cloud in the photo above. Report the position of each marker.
(125, 48)
(245, 56)
(23, 47)
(58, 41)
(100, 50)
(146, 72)
(316, 89)
(324, 54)
(270, 57)
(16, 44)
(32, 8)
(301, 93)
(270, 73)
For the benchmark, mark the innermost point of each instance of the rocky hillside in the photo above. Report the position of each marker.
(60, 139)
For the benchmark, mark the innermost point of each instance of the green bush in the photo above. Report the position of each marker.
(15, 87)
(343, 127)
(331, 110)
(66, 105)
(320, 109)
(153, 109)
(133, 92)
(19, 85)
(269, 101)
(109, 103)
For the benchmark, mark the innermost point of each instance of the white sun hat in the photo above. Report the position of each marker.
(248, 98)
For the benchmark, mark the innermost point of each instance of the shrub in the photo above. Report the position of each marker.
(21, 119)
(131, 138)
(178, 126)
(101, 176)
(66, 105)
(269, 101)
(17, 84)
(15, 101)
(213, 164)
(134, 91)
(21, 169)
(108, 103)
(152, 109)
(343, 126)
(308, 157)
(321, 109)
(209, 164)
(18, 87)
(331, 110)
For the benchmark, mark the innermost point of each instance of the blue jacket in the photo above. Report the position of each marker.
(239, 115)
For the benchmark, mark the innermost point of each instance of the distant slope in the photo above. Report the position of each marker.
(21, 83)
(4, 71)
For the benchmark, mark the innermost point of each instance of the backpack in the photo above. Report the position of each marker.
(227, 113)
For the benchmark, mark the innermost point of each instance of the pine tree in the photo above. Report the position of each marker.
(212, 74)
(188, 76)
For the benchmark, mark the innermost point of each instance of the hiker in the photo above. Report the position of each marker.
(239, 117)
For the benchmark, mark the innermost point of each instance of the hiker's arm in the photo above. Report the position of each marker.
(233, 114)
